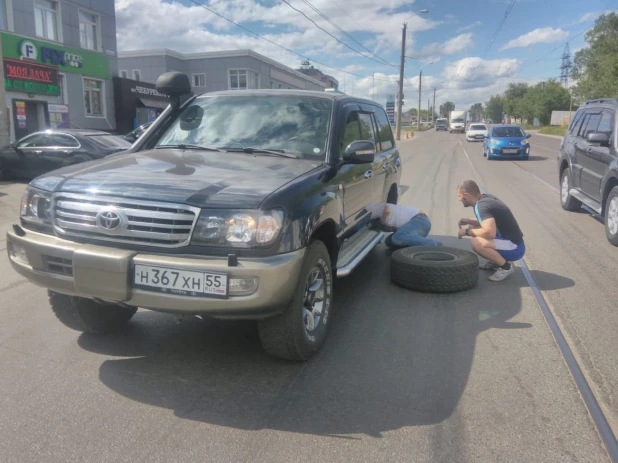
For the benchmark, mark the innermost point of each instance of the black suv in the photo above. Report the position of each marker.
(588, 163)
(236, 204)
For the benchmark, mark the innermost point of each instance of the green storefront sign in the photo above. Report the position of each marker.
(66, 59)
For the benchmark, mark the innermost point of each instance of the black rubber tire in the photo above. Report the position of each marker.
(571, 204)
(431, 269)
(89, 316)
(285, 336)
(613, 239)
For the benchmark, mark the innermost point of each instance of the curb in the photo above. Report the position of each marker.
(557, 137)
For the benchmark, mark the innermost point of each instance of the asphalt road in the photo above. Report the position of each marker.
(467, 377)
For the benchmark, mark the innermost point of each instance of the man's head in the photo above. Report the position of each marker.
(468, 193)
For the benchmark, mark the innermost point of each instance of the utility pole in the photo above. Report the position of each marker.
(433, 113)
(400, 94)
(420, 80)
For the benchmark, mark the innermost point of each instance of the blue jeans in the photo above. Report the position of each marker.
(413, 233)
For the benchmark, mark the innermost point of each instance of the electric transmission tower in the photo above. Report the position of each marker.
(566, 66)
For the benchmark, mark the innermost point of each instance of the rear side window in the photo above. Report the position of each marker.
(385, 134)
(65, 141)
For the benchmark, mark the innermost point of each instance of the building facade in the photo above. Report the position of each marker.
(213, 71)
(58, 60)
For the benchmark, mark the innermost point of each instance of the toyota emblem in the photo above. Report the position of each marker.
(109, 220)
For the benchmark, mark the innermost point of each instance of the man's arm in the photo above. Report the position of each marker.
(487, 229)
(472, 222)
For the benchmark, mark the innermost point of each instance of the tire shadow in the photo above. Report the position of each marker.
(393, 358)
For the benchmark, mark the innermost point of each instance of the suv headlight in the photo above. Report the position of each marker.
(243, 229)
(36, 207)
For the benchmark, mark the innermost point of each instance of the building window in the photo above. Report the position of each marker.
(88, 30)
(93, 97)
(63, 88)
(45, 19)
(124, 74)
(242, 79)
(199, 80)
(137, 75)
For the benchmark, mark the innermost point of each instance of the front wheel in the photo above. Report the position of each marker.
(611, 216)
(568, 202)
(299, 332)
(86, 315)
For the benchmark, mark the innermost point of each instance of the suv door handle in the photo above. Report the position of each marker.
(37, 151)
(369, 174)
(385, 165)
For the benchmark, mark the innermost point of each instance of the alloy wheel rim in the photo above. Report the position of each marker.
(565, 189)
(612, 216)
(313, 302)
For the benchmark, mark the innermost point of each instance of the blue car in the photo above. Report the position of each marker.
(506, 142)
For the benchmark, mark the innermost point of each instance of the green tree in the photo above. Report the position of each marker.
(446, 108)
(494, 108)
(476, 111)
(596, 67)
(513, 97)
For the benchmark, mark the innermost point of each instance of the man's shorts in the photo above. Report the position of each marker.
(509, 250)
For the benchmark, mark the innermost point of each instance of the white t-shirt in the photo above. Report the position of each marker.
(398, 216)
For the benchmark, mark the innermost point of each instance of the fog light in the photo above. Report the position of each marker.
(243, 286)
(18, 254)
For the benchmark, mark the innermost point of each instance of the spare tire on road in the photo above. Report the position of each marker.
(432, 269)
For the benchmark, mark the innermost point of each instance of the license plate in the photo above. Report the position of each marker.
(510, 151)
(479, 136)
(181, 282)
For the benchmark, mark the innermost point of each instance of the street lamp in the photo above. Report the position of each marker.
(433, 112)
(420, 77)
(401, 67)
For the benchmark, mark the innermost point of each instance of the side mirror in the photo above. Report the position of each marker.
(598, 137)
(529, 135)
(174, 85)
(359, 152)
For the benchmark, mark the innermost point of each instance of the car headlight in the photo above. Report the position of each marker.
(36, 207)
(237, 228)
(493, 142)
(524, 142)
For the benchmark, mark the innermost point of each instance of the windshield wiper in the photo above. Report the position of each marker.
(250, 150)
(184, 146)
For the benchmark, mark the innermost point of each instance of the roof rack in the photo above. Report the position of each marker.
(603, 100)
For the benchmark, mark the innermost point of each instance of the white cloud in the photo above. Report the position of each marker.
(591, 16)
(469, 27)
(541, 35)
(450, 47)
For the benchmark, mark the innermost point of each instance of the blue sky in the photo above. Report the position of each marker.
(451, 41)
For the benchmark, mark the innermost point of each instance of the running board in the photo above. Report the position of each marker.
(355, 249)
(587, 200)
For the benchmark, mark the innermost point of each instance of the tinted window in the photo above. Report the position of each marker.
(577, 120)
(352, 130)
(384, 131)
(590, 124)
(508, 132)
(36, 140)
(367, 130)
(296, 124)
(607, 123)
(109, 141)
(64, 140)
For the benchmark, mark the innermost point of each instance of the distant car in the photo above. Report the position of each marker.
(506, 142)
(476, 132)
(442, 124)
(48, 150)
(587, 163)
(137, 132)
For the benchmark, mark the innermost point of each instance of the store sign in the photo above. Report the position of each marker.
(20, 76)
(20, 113)
(145, 91)
(58, 116)
(65, 58)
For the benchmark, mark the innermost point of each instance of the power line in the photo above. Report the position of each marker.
(326, 18)
(337, 39)
(346, 13)
(504, 18)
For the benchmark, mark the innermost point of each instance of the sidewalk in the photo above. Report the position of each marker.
(536, 132)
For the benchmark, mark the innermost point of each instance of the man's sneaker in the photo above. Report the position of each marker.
(489, 266)
(501, 274)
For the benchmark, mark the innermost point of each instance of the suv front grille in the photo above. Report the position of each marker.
(124, 220)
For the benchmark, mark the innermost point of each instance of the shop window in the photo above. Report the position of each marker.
(88, 30)
(93, 97)
(137, 75)
(242, 79)
(46, 19)
(199, 80)
(124, 74)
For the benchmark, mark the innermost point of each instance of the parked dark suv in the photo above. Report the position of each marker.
(588, 163)
(236, 204)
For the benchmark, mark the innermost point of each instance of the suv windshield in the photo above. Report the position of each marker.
(290, 123)
(508, 132)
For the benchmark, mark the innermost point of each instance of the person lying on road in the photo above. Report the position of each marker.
(495, 233)
(409, 224)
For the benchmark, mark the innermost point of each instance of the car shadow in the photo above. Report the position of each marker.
(537, 158)
(394, 358)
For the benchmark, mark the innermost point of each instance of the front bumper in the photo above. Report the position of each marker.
(106, 273)
(498, 152)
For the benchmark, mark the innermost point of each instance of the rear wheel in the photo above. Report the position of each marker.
(299, 332)
(568, 202)
(611, 216)
(86, 315)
